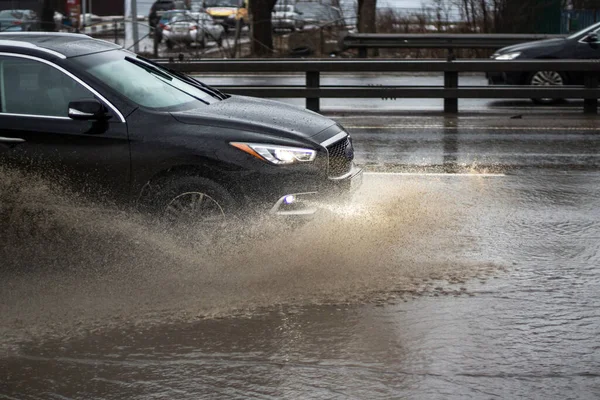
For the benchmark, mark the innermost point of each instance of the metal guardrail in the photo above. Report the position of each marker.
(312, 91)
(450, 41)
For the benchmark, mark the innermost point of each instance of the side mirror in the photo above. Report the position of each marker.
(87, 110)
(591, 38)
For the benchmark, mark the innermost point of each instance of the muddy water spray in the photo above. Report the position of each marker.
(69, 265)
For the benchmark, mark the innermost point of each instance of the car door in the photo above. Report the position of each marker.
(37, 135)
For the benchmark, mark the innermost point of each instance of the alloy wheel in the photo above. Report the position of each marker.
(546, 78)
(195, 208)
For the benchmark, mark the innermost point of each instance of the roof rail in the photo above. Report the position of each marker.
(21, 44)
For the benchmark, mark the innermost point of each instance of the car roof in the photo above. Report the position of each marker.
(63, 45)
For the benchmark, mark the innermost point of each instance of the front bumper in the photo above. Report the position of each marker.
(288, 24)
(184, 37)
(226, 22)
(305, 204)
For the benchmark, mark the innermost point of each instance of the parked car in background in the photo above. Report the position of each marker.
(162, 6)
(192, 28)
(286, 17)
(19, 21)
(120, 127)
(315, 14)
(166, 17)
(584, 44)
(227, 12)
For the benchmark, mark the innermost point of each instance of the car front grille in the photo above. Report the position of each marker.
(341, 155)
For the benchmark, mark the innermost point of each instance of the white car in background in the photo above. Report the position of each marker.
(286, 17)
(192, 28)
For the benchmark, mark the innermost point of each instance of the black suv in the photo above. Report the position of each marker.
(160, 7)
(584, 44)
(120, 126)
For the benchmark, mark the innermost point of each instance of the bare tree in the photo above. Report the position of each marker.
(367, 15)
(485, 24)
(442, 13)
(262, 30)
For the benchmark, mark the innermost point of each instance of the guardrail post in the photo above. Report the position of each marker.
(450, 82)
(451, 56)
(313, 81)
(590, 106)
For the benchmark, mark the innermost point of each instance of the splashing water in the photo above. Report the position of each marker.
(69, 266)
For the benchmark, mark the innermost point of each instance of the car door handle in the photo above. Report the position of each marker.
(9, 140)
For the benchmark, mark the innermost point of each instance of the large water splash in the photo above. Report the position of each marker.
(70, 266)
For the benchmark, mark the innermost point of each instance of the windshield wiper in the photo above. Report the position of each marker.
(158, 72)
(192, 81)
(150, 68)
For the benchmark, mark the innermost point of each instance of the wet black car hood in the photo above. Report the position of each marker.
(535, 46)
(257, 115)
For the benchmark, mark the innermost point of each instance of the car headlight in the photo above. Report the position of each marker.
(276, 154)
(231, 16)
(507, 56)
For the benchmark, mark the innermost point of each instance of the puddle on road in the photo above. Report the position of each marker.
(71, 267)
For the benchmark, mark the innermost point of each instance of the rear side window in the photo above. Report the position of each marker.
(11, 14)
(30, 87)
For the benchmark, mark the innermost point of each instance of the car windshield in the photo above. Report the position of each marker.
(181, 18)
(223, 3)
(282, 8)
(314, 11)
(169, 15)
(585, 31)
(11, 14)
(143, 83)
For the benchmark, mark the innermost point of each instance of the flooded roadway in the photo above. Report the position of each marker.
(478, 284)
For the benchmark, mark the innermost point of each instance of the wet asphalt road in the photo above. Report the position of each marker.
(502, 258)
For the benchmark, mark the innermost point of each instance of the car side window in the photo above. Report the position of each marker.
(31, 87)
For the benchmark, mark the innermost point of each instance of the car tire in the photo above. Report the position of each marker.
(546, 78)
(191, 199)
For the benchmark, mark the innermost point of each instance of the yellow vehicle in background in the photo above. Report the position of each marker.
(227, 12)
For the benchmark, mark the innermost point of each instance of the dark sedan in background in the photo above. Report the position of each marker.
(584, 44)
(117, 125)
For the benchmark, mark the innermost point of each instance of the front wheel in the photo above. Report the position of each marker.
(546, 78)
(193, 201)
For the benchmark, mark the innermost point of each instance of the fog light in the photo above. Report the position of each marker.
(289, 199)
